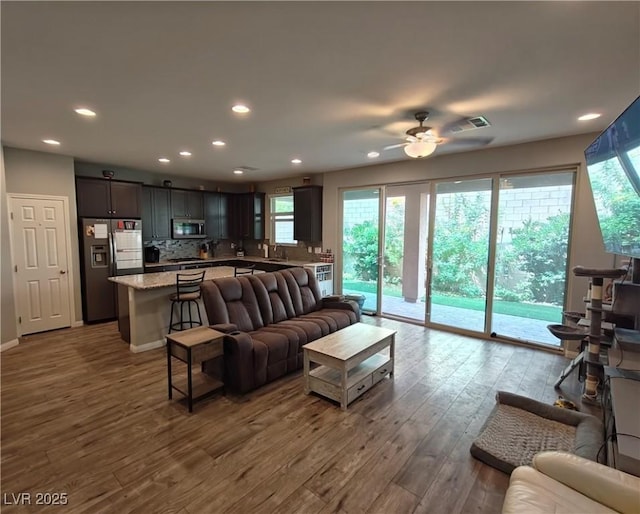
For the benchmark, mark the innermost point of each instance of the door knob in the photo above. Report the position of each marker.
(62, 272)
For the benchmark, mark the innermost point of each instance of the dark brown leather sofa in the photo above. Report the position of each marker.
(267, 319)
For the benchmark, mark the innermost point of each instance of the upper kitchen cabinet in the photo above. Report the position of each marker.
(307, 213)
(247, 216)
(216, 215)
(156, 213)
(187, 204)
(105, 198)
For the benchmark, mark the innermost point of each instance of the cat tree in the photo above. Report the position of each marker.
(594, 310)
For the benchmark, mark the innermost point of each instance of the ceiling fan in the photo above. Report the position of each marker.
(421, 141)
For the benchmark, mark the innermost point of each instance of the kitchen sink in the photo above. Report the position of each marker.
(274, 259)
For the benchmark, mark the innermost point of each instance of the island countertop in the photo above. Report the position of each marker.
(145, 281)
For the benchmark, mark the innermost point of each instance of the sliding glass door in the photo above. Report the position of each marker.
(405, 250)
(460, 254)
(534, 213)
(361, 249)
(484, 255)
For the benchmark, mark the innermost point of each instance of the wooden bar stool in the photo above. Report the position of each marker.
(187, 292)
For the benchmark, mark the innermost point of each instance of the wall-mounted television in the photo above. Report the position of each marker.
(613, 166)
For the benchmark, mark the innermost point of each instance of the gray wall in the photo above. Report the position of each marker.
(8, 331)
(586, 244)
(90, 169)
(50, 174)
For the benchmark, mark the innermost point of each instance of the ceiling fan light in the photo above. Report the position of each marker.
(420, 149)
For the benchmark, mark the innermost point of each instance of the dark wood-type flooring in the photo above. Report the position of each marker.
(83, 415)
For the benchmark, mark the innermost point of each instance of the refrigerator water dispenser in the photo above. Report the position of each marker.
(99, 256)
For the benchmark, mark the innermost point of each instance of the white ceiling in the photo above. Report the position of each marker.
(327, 81)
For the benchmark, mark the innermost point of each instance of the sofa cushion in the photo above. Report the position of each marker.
(273, 297)
(303, 289)
(531, 491)
(273, 354)
(232, 300)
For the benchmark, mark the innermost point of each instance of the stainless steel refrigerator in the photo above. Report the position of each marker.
(108, 248)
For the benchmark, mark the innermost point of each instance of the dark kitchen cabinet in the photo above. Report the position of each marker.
(156, 213)
(247, 216)
(105, 198)
(307, 213)
(216, 215)
(187, 204)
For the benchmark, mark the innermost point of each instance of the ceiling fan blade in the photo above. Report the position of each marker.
(468, 141)
(394, 146)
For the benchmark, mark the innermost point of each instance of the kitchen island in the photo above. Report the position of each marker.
(144, 308)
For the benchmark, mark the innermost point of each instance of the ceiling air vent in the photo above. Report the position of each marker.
(479, 122)
(470, 124)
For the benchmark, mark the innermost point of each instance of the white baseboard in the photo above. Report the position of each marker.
(147, 346)
(77, 324)
(9, 344)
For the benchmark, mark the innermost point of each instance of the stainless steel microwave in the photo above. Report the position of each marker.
(187, 228)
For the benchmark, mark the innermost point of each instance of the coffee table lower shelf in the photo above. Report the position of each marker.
(327, 381)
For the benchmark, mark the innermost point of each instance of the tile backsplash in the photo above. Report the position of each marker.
(189, 248)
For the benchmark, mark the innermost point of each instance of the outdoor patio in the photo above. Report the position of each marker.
(525, 329)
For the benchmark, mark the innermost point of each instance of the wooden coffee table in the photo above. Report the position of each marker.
(351, 361)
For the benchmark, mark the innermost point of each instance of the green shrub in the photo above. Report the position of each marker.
(541, 248)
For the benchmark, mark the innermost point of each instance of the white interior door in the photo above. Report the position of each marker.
(39, 244)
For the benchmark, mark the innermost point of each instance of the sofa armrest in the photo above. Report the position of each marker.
(225, 328)
(349, 305)
(238, 362)
(610, 487)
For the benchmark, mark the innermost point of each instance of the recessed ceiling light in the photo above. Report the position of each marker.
(184, 153)
(240, 109)
(296, 161)
(164, 160)
(373, 155)
(217, 142)
(238, 172)
(51, 142)
(85, 112)
(589, 116)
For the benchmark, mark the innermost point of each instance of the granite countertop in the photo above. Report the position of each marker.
(144, 281)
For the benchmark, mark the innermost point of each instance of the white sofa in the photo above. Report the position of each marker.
(562, 482)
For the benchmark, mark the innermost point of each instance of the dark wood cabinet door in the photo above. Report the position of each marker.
(161, 213)
(92, 198)
(225, 206)
(195, 205)
(125, 199)
(212, 215)
(234, 216)
(250, 213)
(307, 213)
(257, 229)
(147, 213)
(156, 221)
(217, 215)
(245, 213)
(179, 202)
(187, 204)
